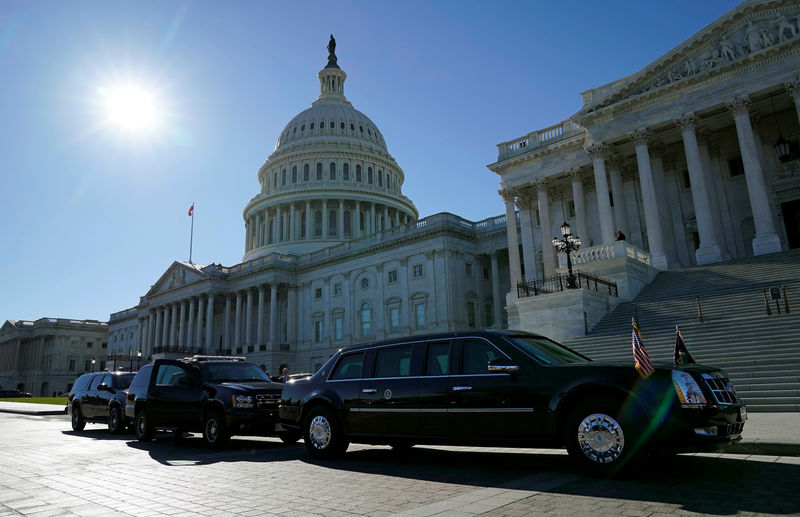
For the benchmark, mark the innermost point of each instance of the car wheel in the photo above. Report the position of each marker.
(289, 437)
(115, 424)
(215, 430)
(144, 430)
(323, 434)
(78, 422)
(401, 446)
(599, 438)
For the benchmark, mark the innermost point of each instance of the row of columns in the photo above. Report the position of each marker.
(188, 325)
(651, 181)
(283, 223)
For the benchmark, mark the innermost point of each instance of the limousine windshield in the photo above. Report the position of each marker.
(547, 351)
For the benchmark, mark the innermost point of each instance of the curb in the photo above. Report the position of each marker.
(763, 448)
(44, 412)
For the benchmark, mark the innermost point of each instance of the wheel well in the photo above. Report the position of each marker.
(210, 407)
(581, 394)
(311, 405)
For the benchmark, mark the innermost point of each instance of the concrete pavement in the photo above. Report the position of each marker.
(766, 434)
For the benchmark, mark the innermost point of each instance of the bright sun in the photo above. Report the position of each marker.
(131, 108)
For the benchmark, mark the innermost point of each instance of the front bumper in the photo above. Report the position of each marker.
(701, 429)
(253, 422)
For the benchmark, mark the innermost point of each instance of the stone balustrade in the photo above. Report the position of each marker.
(541, 137)
(617, 249)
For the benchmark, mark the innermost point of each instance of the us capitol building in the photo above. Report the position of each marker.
(334, 254)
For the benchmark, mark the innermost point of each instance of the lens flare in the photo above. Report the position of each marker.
(131, 108)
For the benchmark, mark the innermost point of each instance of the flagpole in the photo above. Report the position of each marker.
(191, 235)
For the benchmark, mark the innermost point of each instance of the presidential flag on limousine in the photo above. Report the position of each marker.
(681, 355)
(640, 357)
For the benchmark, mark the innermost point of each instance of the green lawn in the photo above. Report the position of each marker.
(61, 401)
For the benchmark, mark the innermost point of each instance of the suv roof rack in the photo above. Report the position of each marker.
(215, 358)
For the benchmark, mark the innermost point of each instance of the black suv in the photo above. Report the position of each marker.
(100, 397)
(510, 389)
(217, 395)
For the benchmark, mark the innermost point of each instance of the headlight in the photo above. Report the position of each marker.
(687, 389)
(242, 401)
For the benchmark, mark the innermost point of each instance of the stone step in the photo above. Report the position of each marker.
(772, 408)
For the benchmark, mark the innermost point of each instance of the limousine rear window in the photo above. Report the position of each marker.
(547, 351)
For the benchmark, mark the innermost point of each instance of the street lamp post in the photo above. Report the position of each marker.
(567, 244)
(94, 359)
(138, 359)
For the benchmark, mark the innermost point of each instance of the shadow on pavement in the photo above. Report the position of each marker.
(703, 484)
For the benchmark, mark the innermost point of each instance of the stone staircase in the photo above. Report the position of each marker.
(760, 352)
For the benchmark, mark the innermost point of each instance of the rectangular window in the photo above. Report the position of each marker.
(687, 183)
(438, 361)
(394, 319)
(393, 361)
(72, 365)
(88, 344)
(476, 356)
(467, 269)
(418, 271)
(486, 273)
(571, 208)
(419, 315)
(318, 292)
(102, 365)
(105, 345)
(318, 331)
(337, 289)
(471, 314)
(735, 167)
(349, 367)
(489, 315)
(87, 365)
(338, 323)
(392, 276)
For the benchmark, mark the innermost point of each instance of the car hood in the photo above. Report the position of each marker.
(250, 386)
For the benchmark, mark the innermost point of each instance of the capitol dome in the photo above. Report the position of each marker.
(329, 180)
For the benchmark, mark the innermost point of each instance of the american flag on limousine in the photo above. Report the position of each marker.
(642, 361)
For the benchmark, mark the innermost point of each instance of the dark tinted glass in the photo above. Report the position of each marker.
(82, 383)
(142, 378)
(438, 362)
(393, 362)
(122, 380)
(547, 351)
(476, 356)
(232, 372)
(349, 367)
(170, 375)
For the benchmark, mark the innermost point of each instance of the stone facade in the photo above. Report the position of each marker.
(334, 255)
(44, 357)
(680, 156)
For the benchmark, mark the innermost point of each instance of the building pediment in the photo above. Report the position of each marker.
(176, 276)
(752, 30)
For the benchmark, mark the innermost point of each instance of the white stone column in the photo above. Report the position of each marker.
(497, 308)
(151, 332)
(237, 321)
(191, 339)
(258, 230)
(158, 329)
(209, 344)
(618, 193)
(173, 324)
(515, 270)
(766, 239)
(702, 135)
(652, 215)
(324, 219)
(262, 309)
(198, 332)
(309, 221)
(579, 200)
(546, 225)
(278, 226)
(265, 230)
(273, 316)
(292, 222)
(248, 319)
(372, 227)
(182, 326)
(340, 221)
(793, 87)
(598, 153)
(385, 225)
(226, 325)
(526, 227)
(709, 250)
(666, 217)
(357, 221)
(291, 314)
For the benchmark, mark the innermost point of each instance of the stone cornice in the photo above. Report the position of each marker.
(560, 148)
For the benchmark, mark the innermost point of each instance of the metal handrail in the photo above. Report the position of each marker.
(562, 282)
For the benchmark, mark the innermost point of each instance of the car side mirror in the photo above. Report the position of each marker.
(103, 387)
(497, 366)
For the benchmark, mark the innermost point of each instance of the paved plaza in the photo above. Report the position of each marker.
(47, 469)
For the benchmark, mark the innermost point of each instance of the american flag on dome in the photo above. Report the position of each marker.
(191, 210)
(642, 361)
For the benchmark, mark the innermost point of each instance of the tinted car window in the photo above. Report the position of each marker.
(476, 356)
(122, 381)
(547, 351)
(393, 362)
(142, 378)
(231, 372)
(349, 367)
(103, 379)
(82, 383)
(438, 361)
(170, 375)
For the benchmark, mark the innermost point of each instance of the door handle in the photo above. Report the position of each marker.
(462, 388)
(369, 390)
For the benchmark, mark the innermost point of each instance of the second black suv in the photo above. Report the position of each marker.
(100, 397)
(217, 395)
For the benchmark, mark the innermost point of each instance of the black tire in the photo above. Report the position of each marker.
(215, 430)
(599, 437)
(144, 430)
(323, 434)
(401, 446)
(289, 437)
(78, 422)
(116, 423)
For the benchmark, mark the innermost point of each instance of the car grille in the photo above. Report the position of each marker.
(730, 429)
(722, 389)
(268, 400)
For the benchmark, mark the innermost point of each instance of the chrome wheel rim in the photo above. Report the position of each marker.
(212, 430)
(600, 437)
(112, 420)
(141, 425)
(319, 432)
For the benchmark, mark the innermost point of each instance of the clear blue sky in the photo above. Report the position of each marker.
(93, 213)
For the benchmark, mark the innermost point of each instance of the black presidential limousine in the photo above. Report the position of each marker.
(511, 389)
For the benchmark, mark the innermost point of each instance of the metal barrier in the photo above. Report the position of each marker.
(562, 282)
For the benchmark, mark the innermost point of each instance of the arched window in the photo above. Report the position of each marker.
(346, 172)
(303, 127)
(346, 222)
(332, 223)
(319, 171)
(369, 175)
(332, 124)
(294, 174)
(352, 127)
(271, 232)
(358, 172)
(275, 180)
(333, 171)
(283, 177)
(366, 319)
(305, 173)
(341, 125)
(317, 223)
(380, 178)
(312, 127)
(361, 128)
